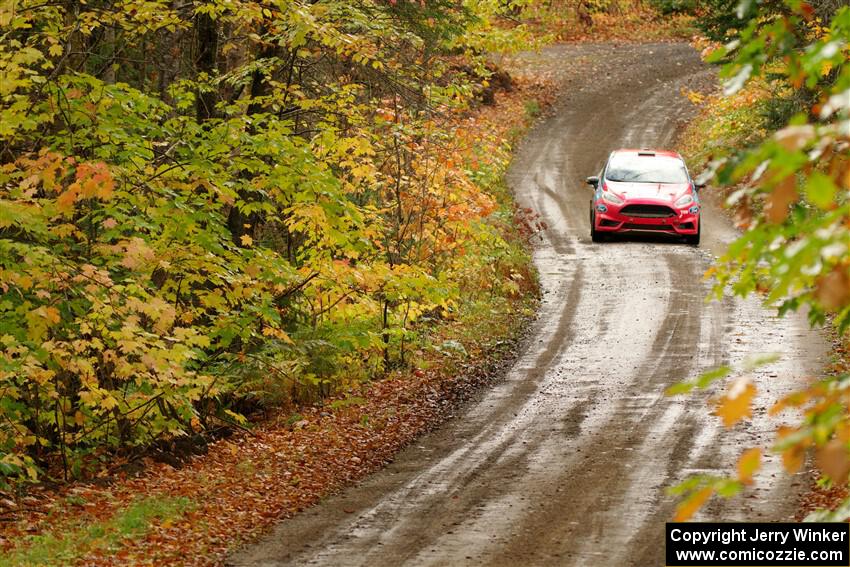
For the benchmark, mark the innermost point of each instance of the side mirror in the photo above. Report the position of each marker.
(592, 181)
(699, 186)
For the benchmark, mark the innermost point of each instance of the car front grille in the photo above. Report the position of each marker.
(654, 227)
(648, 211)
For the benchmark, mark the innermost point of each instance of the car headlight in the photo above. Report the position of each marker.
(611, 198)
(684, 200)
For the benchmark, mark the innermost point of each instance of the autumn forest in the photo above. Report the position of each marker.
(235, 229)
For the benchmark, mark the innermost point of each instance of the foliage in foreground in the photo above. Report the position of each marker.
(790, 189)
(210, 202)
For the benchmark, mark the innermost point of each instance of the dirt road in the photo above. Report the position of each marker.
(565, 462)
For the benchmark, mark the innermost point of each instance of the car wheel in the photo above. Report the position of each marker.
(594, 234)
(693, 239)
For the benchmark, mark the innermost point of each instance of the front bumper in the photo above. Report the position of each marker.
(684, 221)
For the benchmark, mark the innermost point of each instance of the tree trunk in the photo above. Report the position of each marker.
(205, 62)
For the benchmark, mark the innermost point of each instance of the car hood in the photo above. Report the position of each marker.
(662, 191)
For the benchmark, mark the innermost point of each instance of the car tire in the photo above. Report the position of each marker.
(693, 239)
(594, 234)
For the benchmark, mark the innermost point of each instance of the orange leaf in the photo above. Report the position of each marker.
(52, 315)
(691, 506)
(793, 400)
(137, 253)
(834, 460)
(794, 138)
(842, 432)
(782, 195)
(67, 198)
(833, 290)
(748, 464)
(792, 458)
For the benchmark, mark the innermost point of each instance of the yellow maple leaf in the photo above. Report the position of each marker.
(695, 97)
(277, 333)
(735, 404)
(108, 402)
(246, 240)
(39, 320)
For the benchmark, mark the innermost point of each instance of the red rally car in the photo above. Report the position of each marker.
(641, 191)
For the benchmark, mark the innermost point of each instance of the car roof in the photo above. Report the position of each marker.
(648, 152)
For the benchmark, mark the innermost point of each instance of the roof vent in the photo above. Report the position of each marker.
(646, 153)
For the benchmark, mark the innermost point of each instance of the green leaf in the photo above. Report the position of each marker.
(821, 190)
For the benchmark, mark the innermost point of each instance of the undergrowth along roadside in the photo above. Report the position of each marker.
(610, 20)
(301, 453)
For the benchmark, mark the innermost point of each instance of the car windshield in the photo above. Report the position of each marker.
(634, 168)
